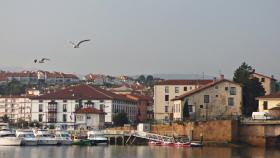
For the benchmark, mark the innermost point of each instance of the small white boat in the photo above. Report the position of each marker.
(63, 137)
(44, 138)
(28, 137)
(8, 138)
(97, 137)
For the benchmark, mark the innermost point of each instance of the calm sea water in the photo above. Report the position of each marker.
(135, 152)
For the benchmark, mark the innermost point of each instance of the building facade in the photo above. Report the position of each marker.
(90, 118)
(270, 103)
(58, 108)
(221, 98)
(268, 83)
(164, 91)
(16, 108)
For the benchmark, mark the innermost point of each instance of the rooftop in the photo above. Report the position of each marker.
(183, 82)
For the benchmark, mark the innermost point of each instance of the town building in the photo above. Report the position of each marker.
(268, 83)
(90, 118)
(36, 77)
(16, 108)
(220, 98)
(144, 106)
(59, 107)
(270, 103)
(166, 90)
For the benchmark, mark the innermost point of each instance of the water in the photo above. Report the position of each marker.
(134, 152)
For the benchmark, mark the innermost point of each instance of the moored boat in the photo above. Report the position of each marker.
(151, 142)
(63, 137)
(27, 136)
(97, 137)
(8, 138)
(44, 137)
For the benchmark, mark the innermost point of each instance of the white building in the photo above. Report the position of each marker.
(90, 118)
(15, 107)
(58, 108)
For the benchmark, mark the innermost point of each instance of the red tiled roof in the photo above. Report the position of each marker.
(202, 88)
(89, 111)
(139, 97)
(84, 92)
(264, 76)
(273, 95)
(184, 82)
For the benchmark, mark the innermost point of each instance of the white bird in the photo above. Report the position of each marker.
(78, 44)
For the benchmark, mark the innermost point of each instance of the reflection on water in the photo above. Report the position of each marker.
(134, 151)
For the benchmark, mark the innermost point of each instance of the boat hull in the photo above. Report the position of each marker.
(47, 142)
(10, 141)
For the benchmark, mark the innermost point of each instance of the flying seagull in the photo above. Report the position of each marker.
(43, 60)
(78, 44)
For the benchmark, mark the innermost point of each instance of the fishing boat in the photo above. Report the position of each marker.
(97, 137)
(28, 137)
(81, 141)
(182, 144)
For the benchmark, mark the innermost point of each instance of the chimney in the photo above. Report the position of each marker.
(222, 76)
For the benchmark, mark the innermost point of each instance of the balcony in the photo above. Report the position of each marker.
(52, 110)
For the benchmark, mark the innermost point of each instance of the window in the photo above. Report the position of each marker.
(40, 117)
(265, 105)
(230, 101)
(232, 91)
(190, 88)
(217, 96)
(64, 107)
(263, 80)
(166, 109)
(190, 108)
(185, 88)
(76, 106)
(201, 106)
(226, 88)
(166, 89)
(88, 117)
(64, 117)
(40, 107)
(216, 87)
(206, 99)
(166, 97)
(176, 89)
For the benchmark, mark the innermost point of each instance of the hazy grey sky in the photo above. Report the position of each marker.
(144, 36)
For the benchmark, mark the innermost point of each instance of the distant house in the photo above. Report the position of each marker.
(268, 83)
(218, 98)
(90, 118)
(166, 90)
(270, 103)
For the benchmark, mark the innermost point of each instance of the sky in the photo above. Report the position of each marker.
(141, 36)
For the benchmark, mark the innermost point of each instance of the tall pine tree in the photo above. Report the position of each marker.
(251, 88)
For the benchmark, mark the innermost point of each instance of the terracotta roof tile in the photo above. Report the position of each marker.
(89, 111)
(213, 83)
(184, 82)
(84, 92)
(273, 95)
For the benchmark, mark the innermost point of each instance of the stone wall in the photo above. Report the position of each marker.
(222, 130)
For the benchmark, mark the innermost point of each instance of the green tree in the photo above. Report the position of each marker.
(141, 79)
(5, 118)
(13, 88)
(149, 80)
(120, 119)
(251, 88)
(277, 86)
(186, 112)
